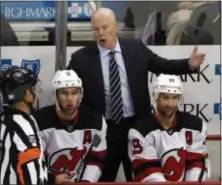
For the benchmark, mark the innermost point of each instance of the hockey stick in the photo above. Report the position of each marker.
(95, 143)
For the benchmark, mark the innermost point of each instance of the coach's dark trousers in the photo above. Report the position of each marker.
(117, 150)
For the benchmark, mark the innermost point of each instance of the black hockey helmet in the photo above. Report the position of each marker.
(1, 98)
(14, 83)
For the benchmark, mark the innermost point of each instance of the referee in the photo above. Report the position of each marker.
(21, 151)
(22, 160)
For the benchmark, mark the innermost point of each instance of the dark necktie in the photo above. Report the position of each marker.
(116, 103)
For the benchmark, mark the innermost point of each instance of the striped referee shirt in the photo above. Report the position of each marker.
(21, 155)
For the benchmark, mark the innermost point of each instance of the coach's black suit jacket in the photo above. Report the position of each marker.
(138, 61)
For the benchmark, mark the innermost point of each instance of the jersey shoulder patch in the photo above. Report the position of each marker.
(146, 125)
(89, 119)
(46, 117)
(189, 121)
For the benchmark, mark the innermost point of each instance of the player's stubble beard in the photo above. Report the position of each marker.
(166, 120)
(165, 115)
(67, 115)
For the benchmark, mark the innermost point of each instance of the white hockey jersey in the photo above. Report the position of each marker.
(175, 154)
(67, 144)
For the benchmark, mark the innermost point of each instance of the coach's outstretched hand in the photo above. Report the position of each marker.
(196, 58)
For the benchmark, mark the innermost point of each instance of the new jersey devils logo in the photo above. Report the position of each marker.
(66, 159)
(173, 164)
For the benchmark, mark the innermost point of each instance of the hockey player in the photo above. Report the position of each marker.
(169, 145)
(73, 134)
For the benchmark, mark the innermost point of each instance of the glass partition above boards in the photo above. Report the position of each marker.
(155, 22)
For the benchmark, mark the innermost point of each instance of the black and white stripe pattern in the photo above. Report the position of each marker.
(115, 89)
(21, 154)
